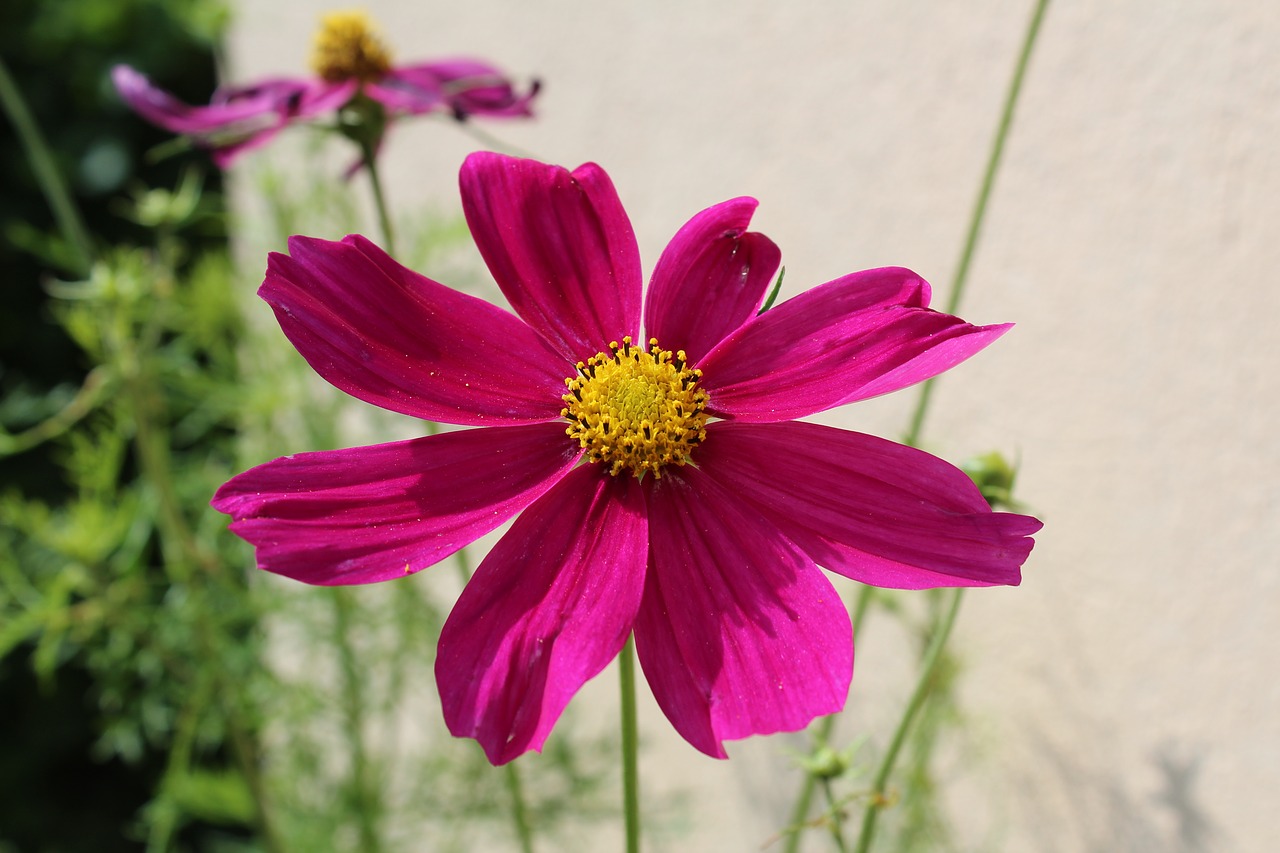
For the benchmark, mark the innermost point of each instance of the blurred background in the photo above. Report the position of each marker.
(1124, 697)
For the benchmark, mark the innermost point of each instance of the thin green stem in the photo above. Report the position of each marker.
(630, 746)
(519, 810)
(519, 813)
(370, 157)
(928, 666)
(46, 172)
(184, 559)
(979, 214)
(92, 392)
(804, 801)
(836, 822)
(364, 794)
(463, 562)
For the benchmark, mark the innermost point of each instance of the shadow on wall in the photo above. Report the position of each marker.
(1077, 806)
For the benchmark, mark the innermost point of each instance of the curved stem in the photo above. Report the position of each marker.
(630, 746)
(836, 823)
(519, 809)
(92, 392)
(800, 812)
(46, 172)
(370, 157)
(918, 696)
(519, 814)
(979, 214)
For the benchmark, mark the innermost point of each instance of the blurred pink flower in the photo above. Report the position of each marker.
(666, 489)
(349, 62)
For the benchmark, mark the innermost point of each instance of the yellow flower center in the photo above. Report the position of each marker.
(636, 409)
(346, 48)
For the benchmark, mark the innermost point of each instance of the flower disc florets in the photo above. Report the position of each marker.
(636, 409)
(346, 48)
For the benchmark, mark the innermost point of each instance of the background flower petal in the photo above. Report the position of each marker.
(549, 607)
(711, 278)
(739, 633)
(559, 245)
(164, 110)
(463, 86)
(401, 341)
(857, 337)
(873, 510)
(376, 513)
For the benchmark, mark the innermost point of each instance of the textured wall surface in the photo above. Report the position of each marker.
(1126, 694)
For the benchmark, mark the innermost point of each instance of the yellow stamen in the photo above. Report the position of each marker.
(347, 48)
(636, 409)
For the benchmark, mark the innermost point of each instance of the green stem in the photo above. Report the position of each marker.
(928, 666)
(836, 822)
(463, 563)
(92, 392)
(186, 561)
(519, 814)
(46, 172)
(800, 812)
(519, 810)
(370, 157)
(630, 746)
(980, 204)
(364, 795)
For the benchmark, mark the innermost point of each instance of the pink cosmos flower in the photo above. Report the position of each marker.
(349, 61)
(665, 489)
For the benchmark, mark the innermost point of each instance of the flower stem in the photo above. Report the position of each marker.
(928, 666)
(836, 822)
(519, 810)
(519, 814)
(800, 813)
(630, 746)
(185, 561)
(46, 172)
(363, 792)
(979, 214)
(370, 157)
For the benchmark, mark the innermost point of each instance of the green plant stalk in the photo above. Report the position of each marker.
(364, 793)
(800, 812)
(370, 158)
(92, 392)
(979, 215)
(929, 663)
(943, 630)
(165, 825)
(630, 746)
(519, 809)
(519, 813)
(46, 172)
(180, 548)
(836, 823)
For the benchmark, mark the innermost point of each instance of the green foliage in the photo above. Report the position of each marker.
(277, 710)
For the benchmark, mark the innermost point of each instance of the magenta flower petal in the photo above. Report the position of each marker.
(399, 340)
(162, 109)
(739, 633)
(548, 609)
(239, 118)
(850, 339)
(463, 86)
(878, 512)
(559, 245)
(376, 513)
(711, 278)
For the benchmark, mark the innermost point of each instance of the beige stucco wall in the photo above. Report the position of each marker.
(1127, 693)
